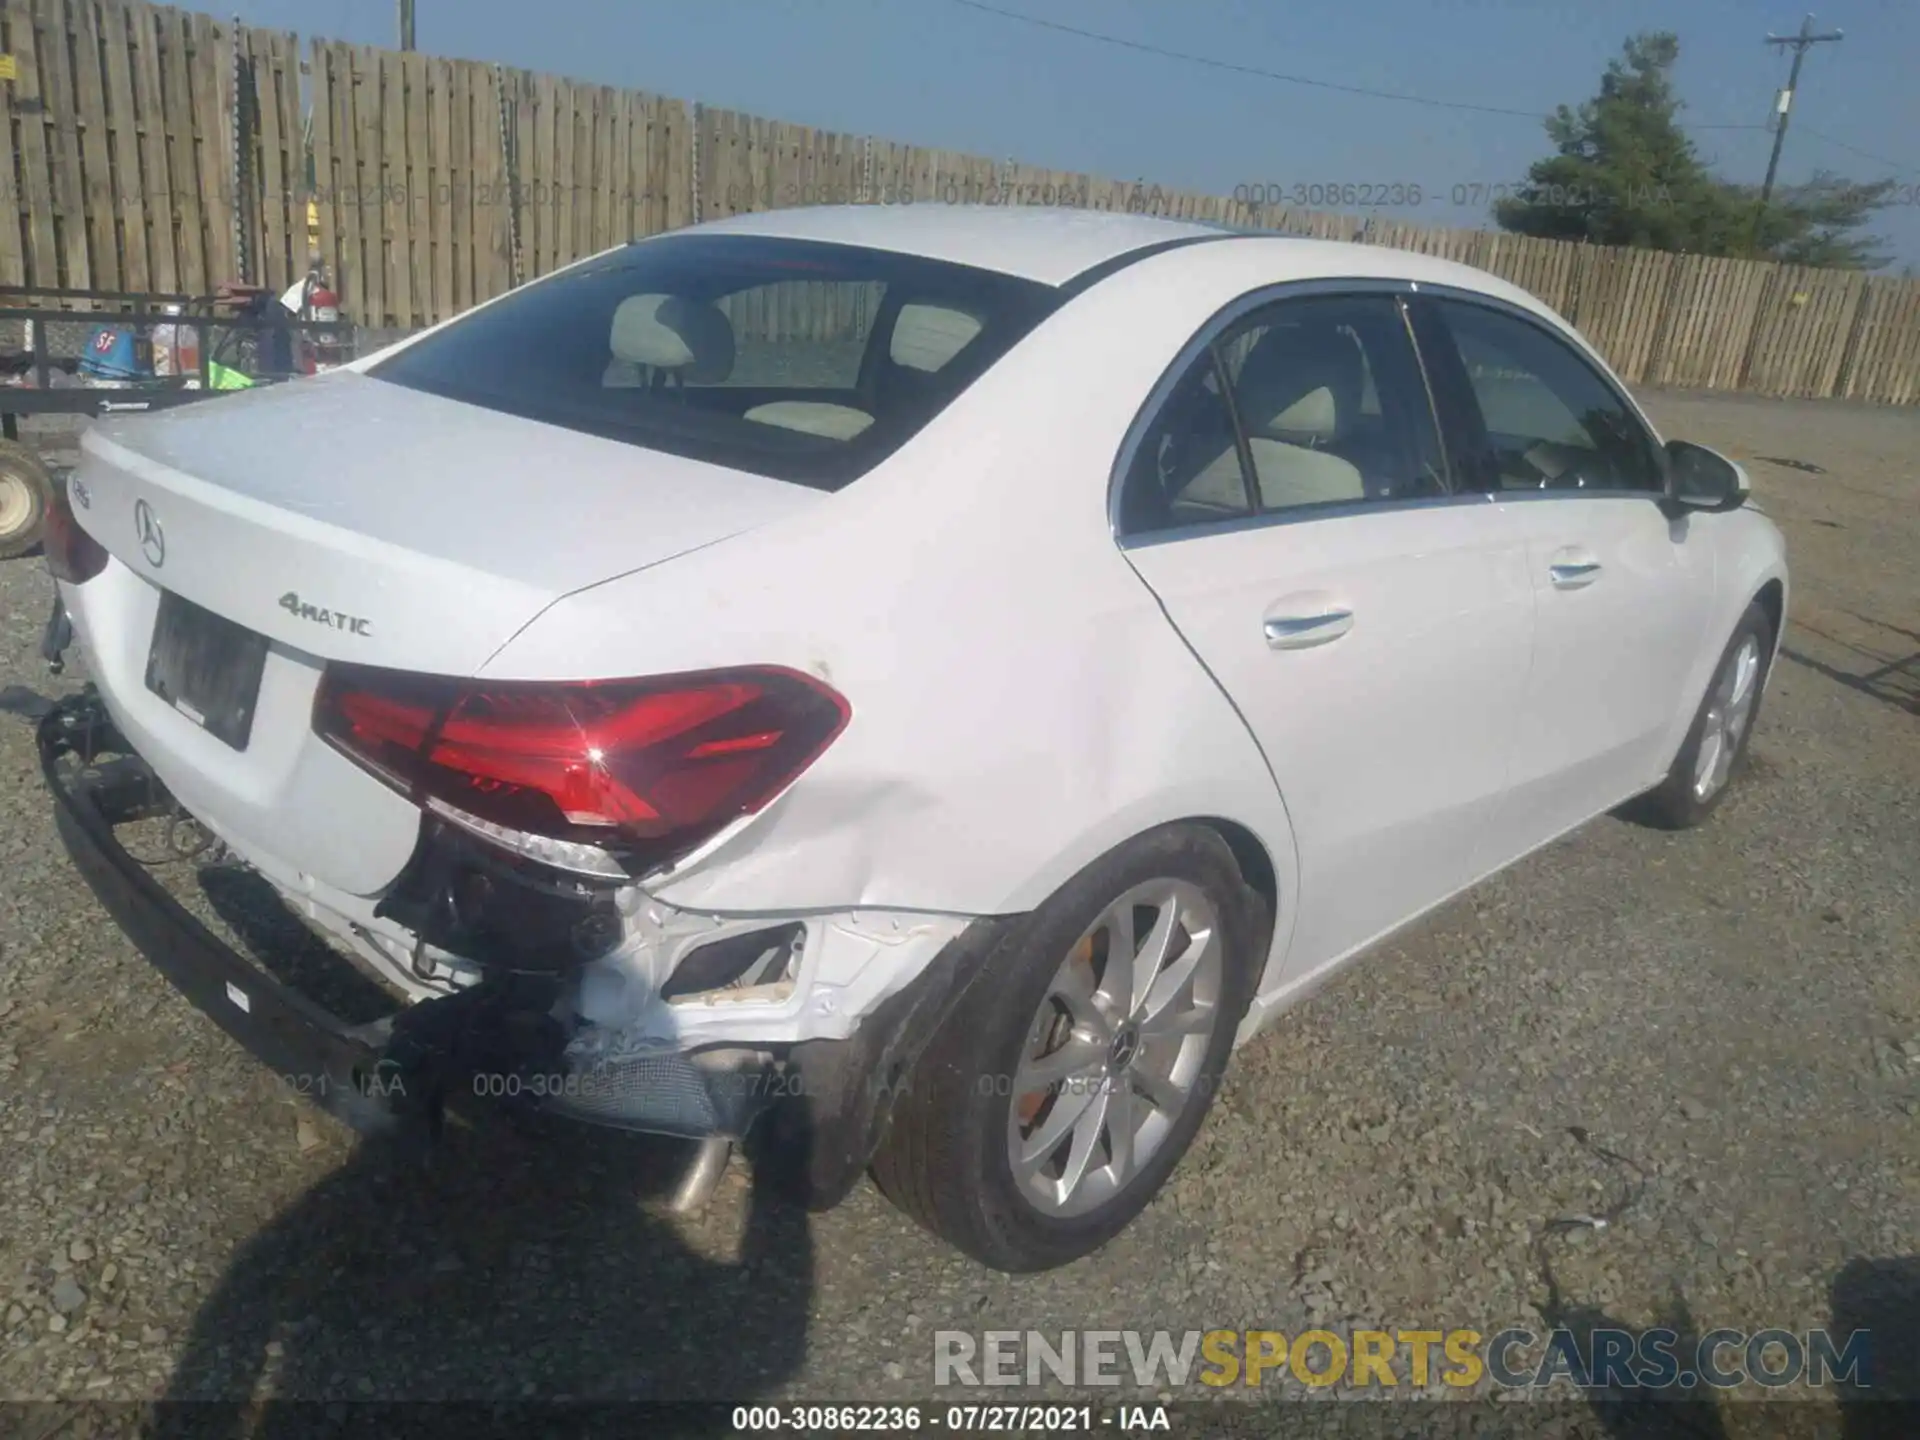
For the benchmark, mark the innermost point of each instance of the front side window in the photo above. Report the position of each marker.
(803, 361)
(1548, 419)
(1306, 403)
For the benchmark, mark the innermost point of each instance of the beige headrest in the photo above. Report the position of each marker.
(814, 417)
(1301, 383)
(671, 332)
(926, 337)
(1314, 413)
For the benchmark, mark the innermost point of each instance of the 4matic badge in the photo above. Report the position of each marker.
(352, 624)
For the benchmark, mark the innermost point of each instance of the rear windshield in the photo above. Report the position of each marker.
(804, 361)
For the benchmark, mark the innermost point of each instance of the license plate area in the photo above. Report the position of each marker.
(207, 668)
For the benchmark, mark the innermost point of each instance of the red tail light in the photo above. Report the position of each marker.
(645, 768)
(72, 554)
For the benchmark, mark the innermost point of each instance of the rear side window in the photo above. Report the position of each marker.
(1329, 394)
(1306, 403)
(802, 361)
(1188, 468)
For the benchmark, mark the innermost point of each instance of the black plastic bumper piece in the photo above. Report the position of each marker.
(319, 1055)
(836, 1111)
(56, 638)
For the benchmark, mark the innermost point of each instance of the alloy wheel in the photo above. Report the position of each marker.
(1113, 1056)
(1729, 708)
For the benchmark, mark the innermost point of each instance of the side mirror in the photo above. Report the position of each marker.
(1703, 479)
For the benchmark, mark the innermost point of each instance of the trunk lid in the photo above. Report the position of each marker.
(354, 519)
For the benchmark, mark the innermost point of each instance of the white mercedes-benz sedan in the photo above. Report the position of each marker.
(911, 688)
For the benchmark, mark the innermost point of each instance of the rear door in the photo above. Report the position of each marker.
(1288, 503)
(1622, 588)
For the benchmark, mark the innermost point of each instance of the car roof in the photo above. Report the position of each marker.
(1051, 245)
(1056, 246)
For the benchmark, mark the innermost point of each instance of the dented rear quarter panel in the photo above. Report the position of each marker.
(1020, 703)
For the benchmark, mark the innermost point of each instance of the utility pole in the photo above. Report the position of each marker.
(406, 28)
(1782, 108)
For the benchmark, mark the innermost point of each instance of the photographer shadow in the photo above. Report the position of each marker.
(1882, 1298)
(1632, 1413)
(517, 1267)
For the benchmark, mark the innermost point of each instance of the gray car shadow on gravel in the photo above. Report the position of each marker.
(402, 1280)
(1894, 682)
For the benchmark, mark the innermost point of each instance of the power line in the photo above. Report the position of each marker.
(1234, 67)
(1856, 150)
(1213, 64)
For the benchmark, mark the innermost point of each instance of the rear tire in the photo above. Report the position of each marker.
(1045, 1037)
(25, 492)
(1714, 753)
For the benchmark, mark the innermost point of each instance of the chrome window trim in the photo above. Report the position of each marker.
(1300, 515)
(1575, 493)
(1349, 509)
(1203, 340)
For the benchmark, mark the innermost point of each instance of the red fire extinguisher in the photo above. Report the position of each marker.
(323, 305)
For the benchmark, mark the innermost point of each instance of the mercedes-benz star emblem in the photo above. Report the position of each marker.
(153, 540)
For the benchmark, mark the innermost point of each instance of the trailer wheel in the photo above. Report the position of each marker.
(25, 490)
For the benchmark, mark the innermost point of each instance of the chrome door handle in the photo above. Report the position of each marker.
(1303, 632)
(1570, 575)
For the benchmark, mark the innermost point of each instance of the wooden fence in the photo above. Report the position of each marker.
(143, 139)
(158, 149)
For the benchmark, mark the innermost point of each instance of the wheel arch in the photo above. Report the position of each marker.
(1262, 847)
(1256, 868)
(1772, 598)
(1752, 568)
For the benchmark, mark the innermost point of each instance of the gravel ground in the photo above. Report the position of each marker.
(1736, 1009)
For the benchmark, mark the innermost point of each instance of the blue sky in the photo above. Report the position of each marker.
(937, 73)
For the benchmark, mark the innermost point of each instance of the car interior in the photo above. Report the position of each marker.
(676, 344)
(1547, 427)
(1316, 431)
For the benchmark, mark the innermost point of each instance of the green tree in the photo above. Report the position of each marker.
(1624, 173)
(1817, 223)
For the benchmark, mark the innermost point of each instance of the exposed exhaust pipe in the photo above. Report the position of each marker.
(703, 1175)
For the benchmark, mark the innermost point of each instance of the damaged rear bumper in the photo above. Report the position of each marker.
(321, 1055)
(498, 1043)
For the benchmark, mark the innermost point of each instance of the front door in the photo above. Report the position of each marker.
(1622, 589)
